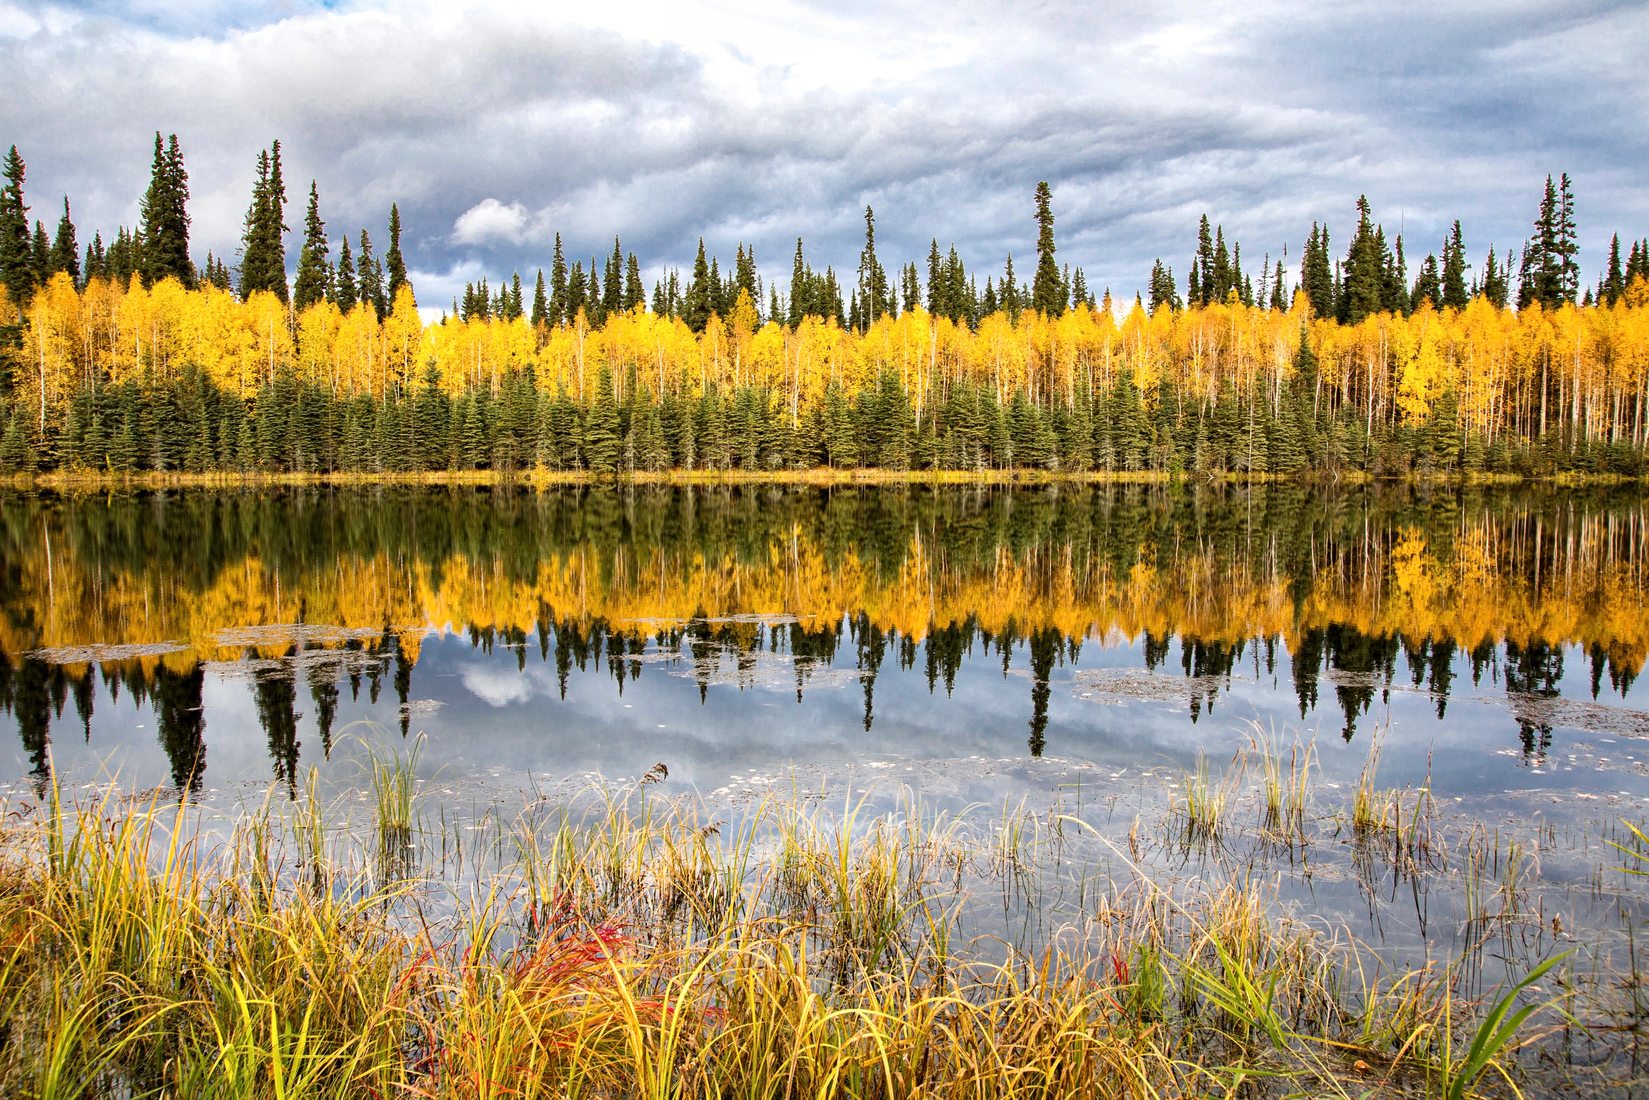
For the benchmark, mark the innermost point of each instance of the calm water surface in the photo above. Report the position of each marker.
(1490, 639)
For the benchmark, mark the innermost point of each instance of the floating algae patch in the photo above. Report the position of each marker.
(1121, 686)
(1531, 709)
(295, 634)
(99, 653)
(339, 661)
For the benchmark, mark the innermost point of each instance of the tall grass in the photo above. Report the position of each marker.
(642, 950)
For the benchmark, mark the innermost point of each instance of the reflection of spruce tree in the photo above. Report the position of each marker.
(181, 723)
(1367, 659)
(85, 694)
(323, 689)
(1440, 673)
(279, 718)
(1044, 651)
(1307, 662)
(872, 646)
(403, 685)
(1534, 671)
(31, 703)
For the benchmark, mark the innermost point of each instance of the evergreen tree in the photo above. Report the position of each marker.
(559, 313)
(1279, 296)
(1495, 286)
(874, 297)
(1049, 295)
(65, 255)
(1162, 288)
(314, 274)
(1200, 286)
(263, 253)
(16, 258)
(1316, 274)
(1613, 283)
(634, 293)
(1454, 270)
(513, 306)
(540, 303)
(345, 291)
(701, 293)
(601, 427)
(1363, 279)
(1428, 288)
(612, 283)
(1548, 273)
(40, 254)
(369, 275)
(165, 219)
(395, 267)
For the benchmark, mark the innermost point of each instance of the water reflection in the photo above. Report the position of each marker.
(290, 598)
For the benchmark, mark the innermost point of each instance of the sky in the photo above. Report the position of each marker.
(495, 126)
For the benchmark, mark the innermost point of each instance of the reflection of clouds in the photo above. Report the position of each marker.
(500, 685)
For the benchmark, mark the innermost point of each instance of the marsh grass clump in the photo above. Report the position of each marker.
(633, 946)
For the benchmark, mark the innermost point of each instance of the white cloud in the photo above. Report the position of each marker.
(498, 125)
(491, 222)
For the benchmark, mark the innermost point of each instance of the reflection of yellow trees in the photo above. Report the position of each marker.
(1521, 372)
(1493, 580)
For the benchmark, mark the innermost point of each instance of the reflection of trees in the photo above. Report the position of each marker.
(1342, 581)
(1534, 670)
(1045, 646)
(181, 723)
(278, 716)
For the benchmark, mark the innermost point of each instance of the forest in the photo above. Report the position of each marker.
(129, 357)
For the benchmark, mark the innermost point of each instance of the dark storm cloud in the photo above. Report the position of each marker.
(496, 127)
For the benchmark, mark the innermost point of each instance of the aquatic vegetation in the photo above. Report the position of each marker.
(632, 945)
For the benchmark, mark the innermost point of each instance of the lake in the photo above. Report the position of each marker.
(1103, 657)
(1492, 637)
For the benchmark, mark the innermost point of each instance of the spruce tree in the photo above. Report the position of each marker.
(1613, 284)
(1495, 286)
(345, 290)
(1548, 273)
(634, 293)
(165, 218)
(1454, 270)
(369, 276)
(65, 254)
(263, 241)
(1162, 289)
(612, 283)
(395, 267)
(1049, 295)
(799, 300)
(874, 297)
(1316, 274)
(16, 259)
(314, 275)
(540, 303)
(701, 292)
(40, 254)
(1363, 285)
(559, 312)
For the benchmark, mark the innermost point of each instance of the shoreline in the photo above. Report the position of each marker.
(815, 477)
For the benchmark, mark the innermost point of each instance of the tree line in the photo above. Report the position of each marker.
(133, 359)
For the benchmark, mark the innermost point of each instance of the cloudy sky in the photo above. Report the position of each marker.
(496, 125)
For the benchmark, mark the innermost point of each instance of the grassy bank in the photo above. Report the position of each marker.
(643, 948)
